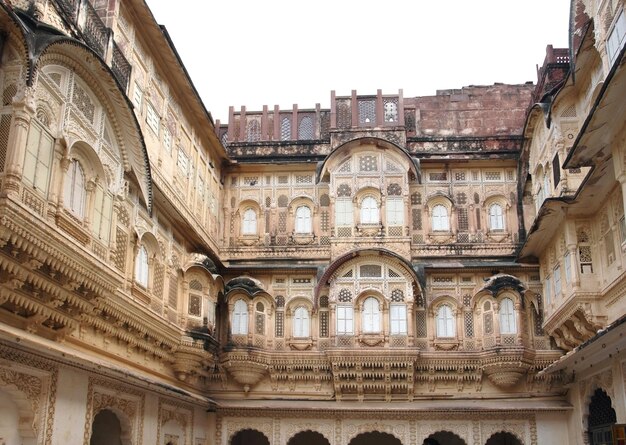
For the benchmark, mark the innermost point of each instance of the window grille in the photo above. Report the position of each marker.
(367, 111)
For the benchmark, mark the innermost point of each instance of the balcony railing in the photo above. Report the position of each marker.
(97, 36)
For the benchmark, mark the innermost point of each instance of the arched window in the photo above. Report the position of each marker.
(370, 318)
(141, 267)
(249, 222)
(74, 189)
(369, 211)
(239, 322)
(301, 323)
(440, 218)
(508, 324)
(303, 220)
(496, 217)
(445, 322)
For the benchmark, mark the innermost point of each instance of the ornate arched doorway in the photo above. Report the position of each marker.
(503, 438)
(601, 419)
(308, 438)
(249, 437)
(443, 438)
(375, 438)
(106, 429)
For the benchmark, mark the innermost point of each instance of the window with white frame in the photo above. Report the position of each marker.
(445, 322)
(141, 267)
(395, 212)
(137, 96)
(345, 320)
(440, 220)
(508, 324)
(616, 37)
(370, 317)
(303, 220)
(344, 214)
(557, 280)
(239, 319)
(167, 139)
(301, 323)
(496, 217)
(102, 211)
(183, 162)
(249, 222)
(546, 185)
(397, 315)
(38, 158)
(369, 211)
(74, 189)
(152, 118)
(567, 260)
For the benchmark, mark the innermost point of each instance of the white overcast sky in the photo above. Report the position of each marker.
(283, 52)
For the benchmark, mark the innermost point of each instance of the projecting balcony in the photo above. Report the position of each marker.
(82, 16)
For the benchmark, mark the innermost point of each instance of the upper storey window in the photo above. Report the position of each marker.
(301, 323)
(369, 211)
(368, 164)
(367, 111)
(285, 129)
(38, 158)
(303, 220)
(391, 111)
(249, 222)
(74, 189)
(305, 129)
(141, 267)
(441, 223)
(508, 324)
(616, 38)
(445, 322)
(343, 212)
(496, 217)
(371, 316)
(239, 320)
(102, 211)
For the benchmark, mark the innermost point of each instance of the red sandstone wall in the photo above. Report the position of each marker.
(472, 111)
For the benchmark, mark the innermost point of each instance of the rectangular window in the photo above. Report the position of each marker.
(345, 316)
(395, 212)
(343, 213)
(101, 225)
(38, 158)
(398, 319)
(493, 176)
(167, 140)
(152, 118)
(568, 267)
(137, 96)
(557, 280)
(547, 291)
(183, 162)
(616, 37)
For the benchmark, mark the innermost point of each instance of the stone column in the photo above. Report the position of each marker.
(518, 321)
(250, 323)
(496, 322)
(23, 111)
